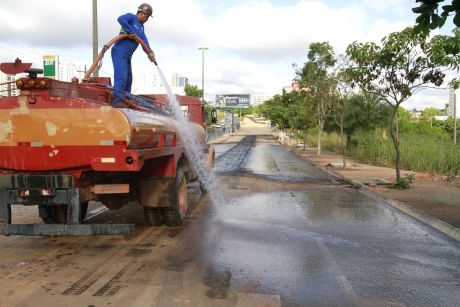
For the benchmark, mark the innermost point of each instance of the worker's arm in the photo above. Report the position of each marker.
(126, 22)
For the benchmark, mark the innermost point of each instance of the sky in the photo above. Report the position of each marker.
(252, 44)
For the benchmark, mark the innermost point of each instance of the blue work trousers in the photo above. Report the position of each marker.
(122, 73)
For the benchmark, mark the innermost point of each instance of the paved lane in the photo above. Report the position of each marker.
(279, 233)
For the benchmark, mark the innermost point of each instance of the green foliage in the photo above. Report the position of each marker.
(193, 91)
(429, 113)
(247, 111)
(277, 110)
(419, 152)
(289, 110)
(405, 63)
(365, 112)
(207, 114)
(405, 182)
(330, 141)
(429, 17)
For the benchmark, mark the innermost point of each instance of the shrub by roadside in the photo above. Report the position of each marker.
(418, 152)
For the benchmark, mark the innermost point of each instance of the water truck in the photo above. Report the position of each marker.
(63, 144)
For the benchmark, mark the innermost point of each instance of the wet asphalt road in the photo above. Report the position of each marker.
(275, 231)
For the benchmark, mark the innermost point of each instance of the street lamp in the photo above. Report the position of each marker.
(95, 37)
(202, 72)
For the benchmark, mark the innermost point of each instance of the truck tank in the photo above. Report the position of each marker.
(44, 129)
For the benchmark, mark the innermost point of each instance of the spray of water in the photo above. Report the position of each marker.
(189, 138)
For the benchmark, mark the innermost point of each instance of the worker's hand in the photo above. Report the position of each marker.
(132, 36)
(151, 56)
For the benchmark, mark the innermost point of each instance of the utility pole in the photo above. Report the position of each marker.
(95, 37)
(202, 72)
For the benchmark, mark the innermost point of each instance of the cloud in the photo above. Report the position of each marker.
(252, 44)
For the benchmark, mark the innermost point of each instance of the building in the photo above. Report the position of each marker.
(62, 69)
(67, 70)
(8, 85)
(259, 99)
(294, 87)
(153, 84)
(178, 81)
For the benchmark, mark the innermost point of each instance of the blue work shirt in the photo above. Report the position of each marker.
(131, 25)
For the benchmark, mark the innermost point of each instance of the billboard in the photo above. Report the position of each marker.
(50, 66)
(234, 101)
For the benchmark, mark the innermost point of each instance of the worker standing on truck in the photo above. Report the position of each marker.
(123, 50)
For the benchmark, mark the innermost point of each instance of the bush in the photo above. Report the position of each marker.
(418, 152)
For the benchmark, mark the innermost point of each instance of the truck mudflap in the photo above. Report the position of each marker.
(28, 189)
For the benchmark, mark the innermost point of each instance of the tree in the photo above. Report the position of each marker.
(315, 81)
(277, 110)
(429, 113)
(365, 111)
(193, 91)
(405, 63)
(430, 16)
(340, 105)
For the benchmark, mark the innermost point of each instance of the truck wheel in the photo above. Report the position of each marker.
(153, 216)
(175, 214)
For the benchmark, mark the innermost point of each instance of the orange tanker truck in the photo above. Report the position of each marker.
(63, 144)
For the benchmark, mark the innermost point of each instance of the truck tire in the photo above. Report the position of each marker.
(153, 216)
(174, 215)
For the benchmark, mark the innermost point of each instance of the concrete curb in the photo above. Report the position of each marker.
(435, 223)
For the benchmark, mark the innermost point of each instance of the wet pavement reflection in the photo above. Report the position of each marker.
(318, 247)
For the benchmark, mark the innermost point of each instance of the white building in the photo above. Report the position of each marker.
(259, 99)
(153, 84)
(178, 81)
(68, 70)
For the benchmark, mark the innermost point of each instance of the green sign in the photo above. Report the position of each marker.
(50, 66)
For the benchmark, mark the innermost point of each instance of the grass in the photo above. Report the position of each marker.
(418, 152)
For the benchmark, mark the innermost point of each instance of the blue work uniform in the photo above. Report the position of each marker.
(122, 52)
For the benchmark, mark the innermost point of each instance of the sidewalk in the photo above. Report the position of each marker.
(431, 199)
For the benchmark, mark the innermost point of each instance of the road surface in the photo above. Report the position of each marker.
(275, 231)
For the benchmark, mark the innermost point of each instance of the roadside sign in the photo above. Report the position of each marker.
(233, 101)
(50, 66)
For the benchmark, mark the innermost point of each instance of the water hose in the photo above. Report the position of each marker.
(108, 45)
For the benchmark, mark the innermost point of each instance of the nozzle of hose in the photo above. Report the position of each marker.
(155, 62)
